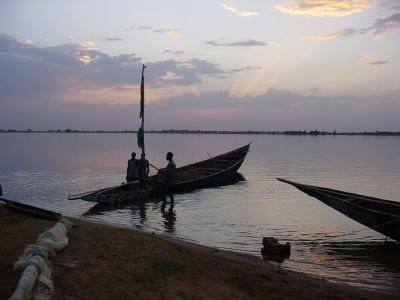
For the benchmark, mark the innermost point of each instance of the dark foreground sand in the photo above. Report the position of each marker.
(118, 263)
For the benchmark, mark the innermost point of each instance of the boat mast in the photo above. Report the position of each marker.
(140, 134)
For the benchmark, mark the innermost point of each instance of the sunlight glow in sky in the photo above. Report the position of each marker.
(286, 64)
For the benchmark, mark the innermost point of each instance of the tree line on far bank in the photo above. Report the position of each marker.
(184, 131)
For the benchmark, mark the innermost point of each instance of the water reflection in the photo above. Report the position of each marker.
(385, 253)
(140, 205)
(235, 178)
(370, 265)
(169, 216)
(138, 209)
(275, 258)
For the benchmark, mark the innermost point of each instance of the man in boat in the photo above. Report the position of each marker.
(143, 170)
(170, 174)
(132, 172)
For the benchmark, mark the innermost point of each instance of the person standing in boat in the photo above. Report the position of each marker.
(132, 172)
(143, 168)
(170, 174)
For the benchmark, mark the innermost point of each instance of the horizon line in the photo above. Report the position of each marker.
(199, 131)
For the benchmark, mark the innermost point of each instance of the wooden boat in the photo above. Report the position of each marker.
(31, 210)
(380, 215)
(190, 177)
(140, 205)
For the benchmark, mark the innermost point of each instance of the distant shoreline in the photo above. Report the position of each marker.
(179, 131)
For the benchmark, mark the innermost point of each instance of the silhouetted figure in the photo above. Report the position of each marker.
(170, 174)
(132, 172)
(143, 170)
(1, 190)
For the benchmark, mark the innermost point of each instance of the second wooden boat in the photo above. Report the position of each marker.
(380, 215)
(32, 210)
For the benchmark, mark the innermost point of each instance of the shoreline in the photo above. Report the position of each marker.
(236, 132)
(122, 262)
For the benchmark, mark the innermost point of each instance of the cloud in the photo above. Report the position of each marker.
(182, 73)
(379, 63)
(391, 4)
(276, 109)
(249, 14)
(27, 70)
(140, 27)
(174, 52)
(361, 57)
(159, 30)
(380, 27)
(32, 80)
(236, 11)
(334, 8)
(384, 25)
(114, 39)
(145, 27)
(348, 32)
(248, 68)
(229, 8)
(88, 44)
(168, 30)
(245, 43)
(171, 32)
(273, 110)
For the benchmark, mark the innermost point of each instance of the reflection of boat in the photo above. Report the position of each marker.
(140, 204)
(198, 175)
(378, 214)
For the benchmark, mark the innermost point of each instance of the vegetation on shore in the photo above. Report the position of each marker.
(184, 131)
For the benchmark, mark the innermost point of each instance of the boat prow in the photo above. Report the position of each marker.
(380, 215)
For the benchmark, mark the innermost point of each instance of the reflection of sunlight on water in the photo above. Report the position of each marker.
(232, 217)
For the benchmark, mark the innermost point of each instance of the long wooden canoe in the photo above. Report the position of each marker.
(380, 215)
(32, 210)
(190, 177)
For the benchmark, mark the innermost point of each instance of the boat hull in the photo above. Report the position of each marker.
(380, 215)
(195, 176)
(32, 210)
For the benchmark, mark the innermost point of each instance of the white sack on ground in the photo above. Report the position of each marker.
(34, 262)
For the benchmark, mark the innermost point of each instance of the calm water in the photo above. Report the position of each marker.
(43, 169)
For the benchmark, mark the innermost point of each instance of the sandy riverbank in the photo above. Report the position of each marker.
(119, 263)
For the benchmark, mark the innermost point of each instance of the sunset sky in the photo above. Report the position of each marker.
(224, 65)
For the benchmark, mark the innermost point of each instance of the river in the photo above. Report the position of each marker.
(43, 168)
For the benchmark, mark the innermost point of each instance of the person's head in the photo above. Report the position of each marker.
(142, 156)
(169, 156)
(133, 155)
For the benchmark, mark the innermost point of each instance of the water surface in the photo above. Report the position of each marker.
(43, 168)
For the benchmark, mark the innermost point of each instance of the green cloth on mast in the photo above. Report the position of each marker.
(140, 137)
